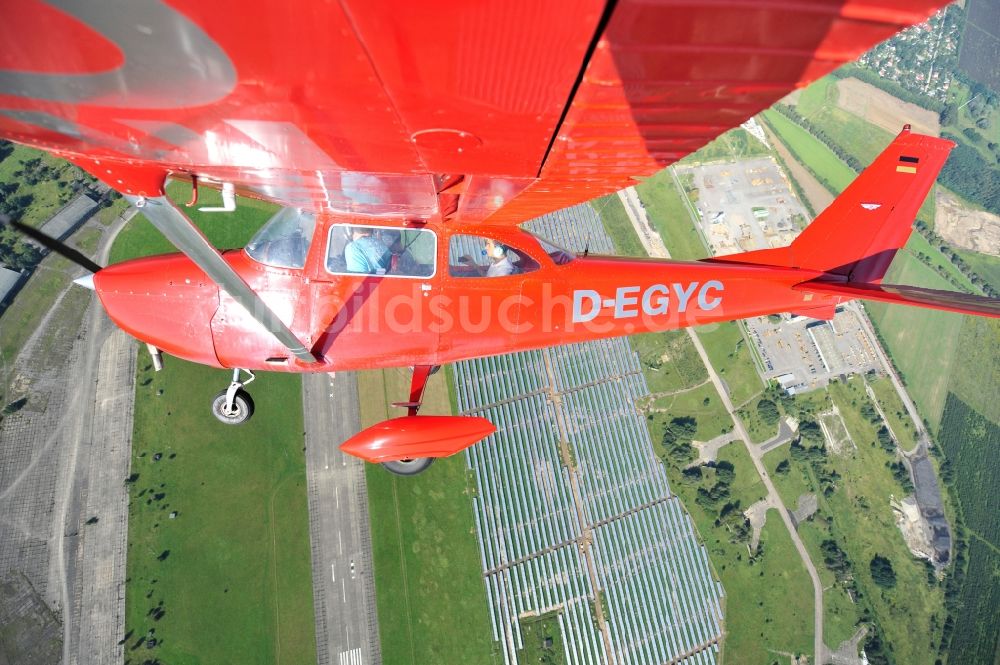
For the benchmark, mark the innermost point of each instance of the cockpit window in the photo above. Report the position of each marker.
(355, 249)
(558, 255)
(477, 256)
(284, 241)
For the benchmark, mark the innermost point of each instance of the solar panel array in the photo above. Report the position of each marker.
(603, 536)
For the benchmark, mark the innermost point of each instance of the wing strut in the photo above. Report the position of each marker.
(179, 230)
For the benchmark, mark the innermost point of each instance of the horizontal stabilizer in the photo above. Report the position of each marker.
(948, 301)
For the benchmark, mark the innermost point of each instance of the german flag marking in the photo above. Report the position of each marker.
(906, 169)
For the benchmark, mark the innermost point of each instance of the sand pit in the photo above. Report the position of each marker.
(977, 230)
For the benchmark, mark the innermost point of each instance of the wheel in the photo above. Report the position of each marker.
(242, 408)
(408, 467)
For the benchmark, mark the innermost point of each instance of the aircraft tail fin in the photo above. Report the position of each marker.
(948, 301)
(857, 236)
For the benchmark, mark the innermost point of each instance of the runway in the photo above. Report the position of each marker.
(343, 586)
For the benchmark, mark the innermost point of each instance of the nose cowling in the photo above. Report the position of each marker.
(166, 301)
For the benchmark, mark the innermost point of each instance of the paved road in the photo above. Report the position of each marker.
(343, 585)
(784, 435)
(654, 247)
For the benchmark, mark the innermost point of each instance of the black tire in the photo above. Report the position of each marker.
(242, 408)
(409, 467)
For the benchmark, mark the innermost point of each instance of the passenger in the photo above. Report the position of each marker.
(365, 254)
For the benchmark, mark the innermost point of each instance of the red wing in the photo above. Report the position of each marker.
(498, 109)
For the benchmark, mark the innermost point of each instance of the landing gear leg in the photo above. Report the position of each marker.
(234, 406)
(411, 467)
(417, 385)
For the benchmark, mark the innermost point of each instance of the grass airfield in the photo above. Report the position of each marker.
(429, 588)
(228, 580)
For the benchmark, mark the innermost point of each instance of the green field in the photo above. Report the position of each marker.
(834, 174)
(817, 96)
(236, 581)
(768, 604)
(617, 224)
(976, 379)
(226, 231)
(671, 218)
(52, 189)
(231, 574)
(25, 314)
(701, 403)
(899, 421)
(984, 265)
(959, 94)
(429, 587)
(669, 360)
(737, 143)
(923, 343)
(855, 135)
(791, 484)
(543, 642)
(840, 614)
(728, 352)
(918, 247)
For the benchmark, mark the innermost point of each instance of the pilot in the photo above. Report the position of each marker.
(498, 254)
(365, 254)
(500, 264)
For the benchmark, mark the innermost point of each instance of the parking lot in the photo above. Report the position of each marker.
(802, 353)
(744, 205)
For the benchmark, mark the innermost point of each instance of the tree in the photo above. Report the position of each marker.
(882, 572)
(810, 432)
(885, 439)
(768, 411)
(725, 472)
(684, 428)
(949, 115)
(973, 135)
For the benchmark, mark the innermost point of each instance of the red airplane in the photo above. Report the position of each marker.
(406, 142)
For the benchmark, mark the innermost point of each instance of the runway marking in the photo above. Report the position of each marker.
(352, 657)
(333, 572)
(336, 493)
(340, 537)
(343, 589)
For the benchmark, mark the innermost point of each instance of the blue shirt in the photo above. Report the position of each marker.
(367, 255)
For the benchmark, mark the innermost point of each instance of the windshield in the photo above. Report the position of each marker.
(284, 241)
